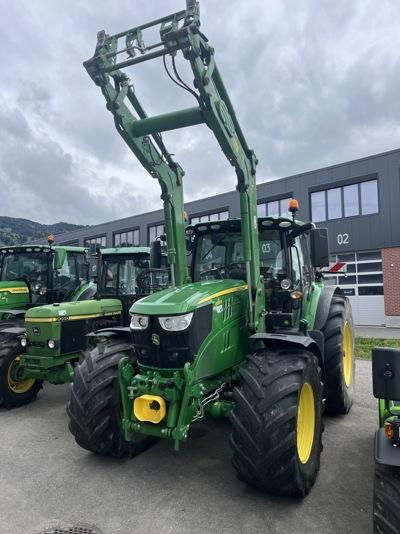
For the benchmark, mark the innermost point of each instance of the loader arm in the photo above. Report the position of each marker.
(181, 32)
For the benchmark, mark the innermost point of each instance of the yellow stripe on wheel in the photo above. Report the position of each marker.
(347, 355)
(305, 423)
(18, 386)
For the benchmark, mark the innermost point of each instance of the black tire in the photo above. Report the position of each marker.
(13, 392)
(276, 438)
(339, 356)
(94, 406)
(386, 499)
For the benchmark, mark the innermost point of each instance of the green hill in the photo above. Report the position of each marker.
(19, 231)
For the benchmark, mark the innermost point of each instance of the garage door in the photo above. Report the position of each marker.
(363, 284)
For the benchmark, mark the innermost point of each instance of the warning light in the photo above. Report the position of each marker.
(293, 206)
(50, 239)
(185, 217)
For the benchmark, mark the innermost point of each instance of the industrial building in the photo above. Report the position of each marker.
(358, 201)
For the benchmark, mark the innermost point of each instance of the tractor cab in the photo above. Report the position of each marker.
(41, 274)
(287, 266)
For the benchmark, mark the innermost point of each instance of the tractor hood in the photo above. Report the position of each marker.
(184, 299)
(68, 310)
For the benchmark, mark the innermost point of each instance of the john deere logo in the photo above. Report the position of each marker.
(155, 339)
(36, 330)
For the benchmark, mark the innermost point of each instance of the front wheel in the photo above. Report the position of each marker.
(14, 392)
(277, 421)
(95, 408)
(339, 356)
(386, 499)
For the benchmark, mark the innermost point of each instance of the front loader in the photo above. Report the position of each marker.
(49, 342)
(251, 332)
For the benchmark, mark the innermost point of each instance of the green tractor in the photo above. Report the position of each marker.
(32, 276)
(250, 332)
(48, 343)
(386, 388)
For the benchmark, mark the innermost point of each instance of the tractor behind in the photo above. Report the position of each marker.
(47, 343)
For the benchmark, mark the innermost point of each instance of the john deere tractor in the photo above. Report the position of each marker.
(251, 332)
(386, 387)
(31, 276)
(49, 341)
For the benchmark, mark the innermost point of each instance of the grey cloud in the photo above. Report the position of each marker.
(313, 83)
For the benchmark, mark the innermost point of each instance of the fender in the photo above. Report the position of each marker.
(385, 453)
(14, 331)
(324, 305)
(123, 331)
(88, 294)
(305, 342)
(18, 314)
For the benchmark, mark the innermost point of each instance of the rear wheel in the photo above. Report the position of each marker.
(94, 406)
(14, 392)
(277, 422)
(339, 356)
(386, 499)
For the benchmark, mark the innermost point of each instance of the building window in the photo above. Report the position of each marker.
(154, 232)
(346, 201)
(334, 198)
(95, 242)
(369, 197)
(350, 200)
(216, 216)
(318, 206)
(274, 208)
(129, 238)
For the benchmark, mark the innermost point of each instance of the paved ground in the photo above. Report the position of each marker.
(47, 481)
(379, 332)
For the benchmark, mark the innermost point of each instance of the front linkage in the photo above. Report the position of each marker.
(187, 400)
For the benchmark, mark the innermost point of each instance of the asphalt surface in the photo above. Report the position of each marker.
(378, 332)
(49, 484)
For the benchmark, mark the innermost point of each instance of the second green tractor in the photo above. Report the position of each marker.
(43, 343)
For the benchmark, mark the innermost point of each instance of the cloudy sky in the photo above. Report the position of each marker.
(314, 83)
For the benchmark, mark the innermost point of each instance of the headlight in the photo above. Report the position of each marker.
(286, 283)
(139, 322)
(176, 323)
(51, 344)
(24, 341)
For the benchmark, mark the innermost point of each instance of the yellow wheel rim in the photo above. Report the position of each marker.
(347, 355)
(18, 386)
(305, 423)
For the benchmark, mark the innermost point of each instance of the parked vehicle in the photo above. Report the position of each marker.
(48, 341)
(252, 332)
(386, 388)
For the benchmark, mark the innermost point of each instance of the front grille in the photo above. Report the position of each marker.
(156, 347)
(72, 336)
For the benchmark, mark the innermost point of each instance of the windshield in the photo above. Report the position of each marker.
(127, 276)
(30, 266)
(33, 269)
(220, 255)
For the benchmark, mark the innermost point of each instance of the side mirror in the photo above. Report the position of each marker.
(319, 247)
(386, 373)
(155, 255)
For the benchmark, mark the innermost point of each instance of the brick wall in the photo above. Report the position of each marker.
(391, 280)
